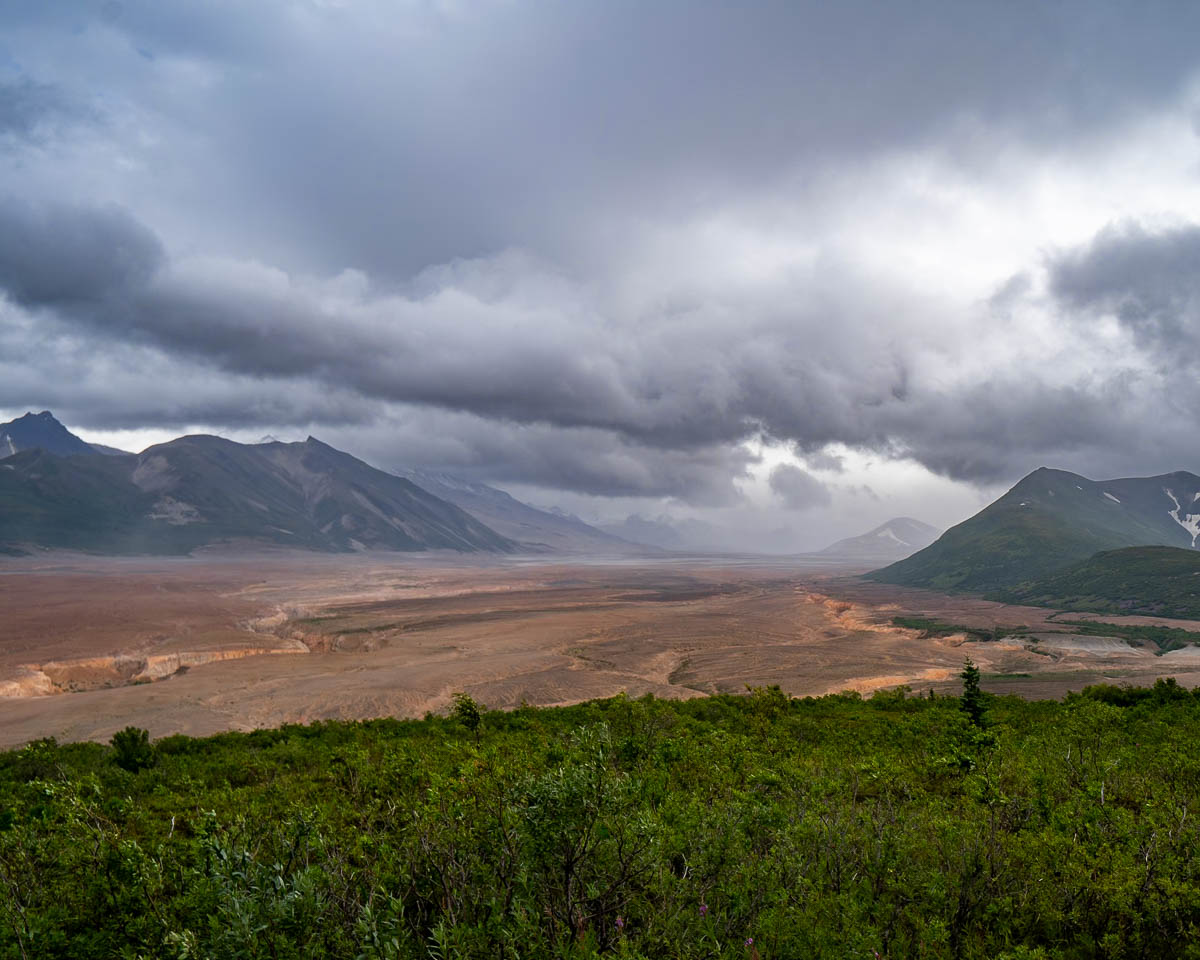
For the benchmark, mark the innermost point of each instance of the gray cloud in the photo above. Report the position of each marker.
(822, 460)
(52, 255)
(500, 338)
(26, 106)
(391, 139)
(1149, 281)
(798, 489)
(538, 380)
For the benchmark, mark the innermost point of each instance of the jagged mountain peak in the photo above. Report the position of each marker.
(40, 430)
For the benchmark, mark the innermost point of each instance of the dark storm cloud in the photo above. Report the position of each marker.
(526, 380)
(499, 339)
(59, 256)
(508, 185)
(594, 462)
(1149, 281)
(798, 489)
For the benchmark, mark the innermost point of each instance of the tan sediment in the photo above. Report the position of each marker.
(857, 617)
(871, 684)
(27, 682)
(89, 673)
(396, 637)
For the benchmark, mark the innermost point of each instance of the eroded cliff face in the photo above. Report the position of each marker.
(96, 673)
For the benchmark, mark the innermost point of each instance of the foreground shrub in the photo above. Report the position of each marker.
(726, 827)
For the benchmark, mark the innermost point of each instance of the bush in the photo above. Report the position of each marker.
(133, 751)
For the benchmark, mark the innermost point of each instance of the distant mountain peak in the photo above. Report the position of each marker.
(40, 431)
(889, 541)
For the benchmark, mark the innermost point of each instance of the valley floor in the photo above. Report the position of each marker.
(201, 645)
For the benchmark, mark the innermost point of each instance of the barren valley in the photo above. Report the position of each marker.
(199, 645)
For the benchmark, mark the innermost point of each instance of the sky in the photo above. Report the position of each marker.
(785, 270)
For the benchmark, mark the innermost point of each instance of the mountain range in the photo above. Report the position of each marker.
(56, 490)
(200, 490)
(1049, 521)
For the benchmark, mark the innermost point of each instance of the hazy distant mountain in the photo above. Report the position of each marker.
(40, 431)
(535, 530)
(1047, 522)
(894, 540)
(660, 533)
(202, 490)
(666, 533)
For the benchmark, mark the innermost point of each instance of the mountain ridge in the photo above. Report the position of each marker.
(1049, 520)
(202, 490)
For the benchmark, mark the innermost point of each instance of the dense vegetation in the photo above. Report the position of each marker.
(752, 826)
(1154, 581)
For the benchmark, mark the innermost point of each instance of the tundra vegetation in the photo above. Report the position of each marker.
(898, 826)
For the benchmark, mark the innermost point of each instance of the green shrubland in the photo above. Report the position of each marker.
(899, 826)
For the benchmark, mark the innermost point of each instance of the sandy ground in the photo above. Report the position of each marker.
(200, 645)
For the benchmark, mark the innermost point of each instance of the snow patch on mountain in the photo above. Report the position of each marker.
(1189, 521)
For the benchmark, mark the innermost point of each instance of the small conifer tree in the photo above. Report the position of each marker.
(972, 699)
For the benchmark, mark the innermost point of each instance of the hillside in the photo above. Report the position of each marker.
(1048, 521)
(1153, 581)
(890, 541)
(202, 490)
(537, 531)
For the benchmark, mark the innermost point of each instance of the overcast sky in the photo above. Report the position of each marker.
(790, 269)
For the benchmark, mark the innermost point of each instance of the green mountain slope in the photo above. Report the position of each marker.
(201, 490)
(1048, 521)
(82, 502)
(1154, 581)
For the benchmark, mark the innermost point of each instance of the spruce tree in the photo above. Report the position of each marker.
(972, 700)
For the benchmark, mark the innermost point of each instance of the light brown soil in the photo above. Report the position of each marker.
(88, 646)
